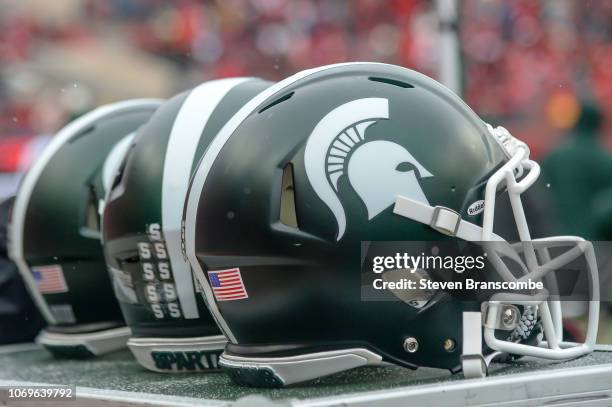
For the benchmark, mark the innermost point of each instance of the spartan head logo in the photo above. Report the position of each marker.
(377, 170)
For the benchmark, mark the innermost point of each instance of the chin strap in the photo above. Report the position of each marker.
(441, 219)
(449, 222)
(473, 362)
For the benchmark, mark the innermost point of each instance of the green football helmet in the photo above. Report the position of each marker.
(172, 330)
(336, 158)
(55, 230)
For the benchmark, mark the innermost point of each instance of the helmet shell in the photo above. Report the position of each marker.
(143, 211)
(351, 137)
(55, 227)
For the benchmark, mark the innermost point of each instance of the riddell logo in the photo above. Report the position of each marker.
(186, 360)
(475, 208)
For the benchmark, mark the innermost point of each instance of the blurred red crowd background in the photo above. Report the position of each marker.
(526, 63)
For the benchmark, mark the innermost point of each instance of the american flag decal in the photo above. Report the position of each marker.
(227, 285)
(49, 279)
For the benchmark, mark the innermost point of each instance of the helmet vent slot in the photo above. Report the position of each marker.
(288, 215)
(82, 133)
(391, 82)
(276, 102)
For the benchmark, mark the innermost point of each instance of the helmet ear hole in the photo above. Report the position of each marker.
(288, 215)
(120, 171)
(92, 217)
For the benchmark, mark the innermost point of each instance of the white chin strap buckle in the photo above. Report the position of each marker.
(441, 219)
(445, 220)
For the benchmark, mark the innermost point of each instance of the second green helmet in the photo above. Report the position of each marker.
(172, 330)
